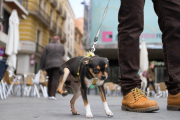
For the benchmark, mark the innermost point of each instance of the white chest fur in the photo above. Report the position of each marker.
(90, 81)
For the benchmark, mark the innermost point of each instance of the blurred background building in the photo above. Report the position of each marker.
(6, 7)
(46, 18)
(69, 32)
(78, 44)
(40, 20)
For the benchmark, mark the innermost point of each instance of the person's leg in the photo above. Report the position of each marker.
(49, 73)
(55, 81)
(152, 83)
(147, 85)
(168, 12)
(130, 27)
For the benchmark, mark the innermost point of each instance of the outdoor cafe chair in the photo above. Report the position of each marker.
(9, 80)
(2, 92)
(31, 84)
(110, 86)
(163, 91)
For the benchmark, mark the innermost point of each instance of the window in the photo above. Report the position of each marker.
(57, 21)
(75, 52)
(40, 3)
(69, 24)
(45, 6)
(61, 24)
(79, 40)
(5, 24)
(38, 36)
(51, 14)
(49, 40)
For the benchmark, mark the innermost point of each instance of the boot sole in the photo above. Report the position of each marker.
(173, 107)
(148, 109)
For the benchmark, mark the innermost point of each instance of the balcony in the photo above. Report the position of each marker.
(53, 27)
(20, 5)
(64, 15)
(35, 10)
(63, 39)
(59, 9)
(53, 2)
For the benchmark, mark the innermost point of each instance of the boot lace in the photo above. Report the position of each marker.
(138, 93)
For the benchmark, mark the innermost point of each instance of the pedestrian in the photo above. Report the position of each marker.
(51, 60)
(131, 23)
(151, 77)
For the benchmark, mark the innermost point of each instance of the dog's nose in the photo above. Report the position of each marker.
(103, 77)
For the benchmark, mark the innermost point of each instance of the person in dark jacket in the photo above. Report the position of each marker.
(151, 77)
(51, 61)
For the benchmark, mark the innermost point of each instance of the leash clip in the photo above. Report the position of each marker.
(93, 47)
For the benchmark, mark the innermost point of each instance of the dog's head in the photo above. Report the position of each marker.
(98, 67)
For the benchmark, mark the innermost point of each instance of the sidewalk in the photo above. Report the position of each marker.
(27, 108)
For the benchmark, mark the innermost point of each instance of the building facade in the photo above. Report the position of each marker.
(46, 18)
(69, 28)
(6, 8)
(78, 33)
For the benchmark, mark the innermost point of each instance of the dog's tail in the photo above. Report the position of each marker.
(64, 72)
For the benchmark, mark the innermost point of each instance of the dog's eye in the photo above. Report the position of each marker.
(96, 70)
(106, 69)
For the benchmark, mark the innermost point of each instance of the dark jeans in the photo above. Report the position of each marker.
(152, 83)
(53, 82)
(131, 26)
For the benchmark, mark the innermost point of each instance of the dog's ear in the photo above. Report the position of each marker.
(107, 59)
(85, 62)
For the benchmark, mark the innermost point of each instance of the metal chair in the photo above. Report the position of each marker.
(9, 81)
(29, 83)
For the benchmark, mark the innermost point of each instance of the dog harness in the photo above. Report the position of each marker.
(88, 56)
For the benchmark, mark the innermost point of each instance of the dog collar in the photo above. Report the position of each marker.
(94, 82)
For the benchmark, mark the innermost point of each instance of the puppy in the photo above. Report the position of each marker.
(86, 72)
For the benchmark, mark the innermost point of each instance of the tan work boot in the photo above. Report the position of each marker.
(136, 101)
(173, 102)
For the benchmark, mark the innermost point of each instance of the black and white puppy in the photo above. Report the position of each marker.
(85, 72)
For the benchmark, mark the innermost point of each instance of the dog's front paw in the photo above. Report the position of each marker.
(109, 113)
(88, 112)
(107, 110)
(89, 115)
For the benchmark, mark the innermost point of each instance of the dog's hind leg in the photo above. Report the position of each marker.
(77, 92)
(62, 80)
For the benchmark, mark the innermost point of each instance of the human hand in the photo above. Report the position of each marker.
(150, 79)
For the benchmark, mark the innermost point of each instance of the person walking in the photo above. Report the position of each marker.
(151, 77)
(131, 23)
(51, 60)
